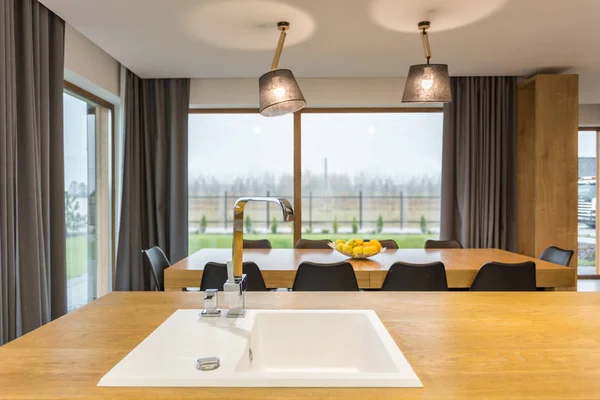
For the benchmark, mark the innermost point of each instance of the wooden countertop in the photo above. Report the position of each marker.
(461, 345)
(279, 266)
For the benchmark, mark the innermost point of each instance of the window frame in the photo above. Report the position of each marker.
(297, 201)
(90, 98)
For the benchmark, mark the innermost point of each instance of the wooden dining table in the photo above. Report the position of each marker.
(278, 266)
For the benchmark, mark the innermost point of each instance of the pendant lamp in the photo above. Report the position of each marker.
(279, 92)
(427, 83)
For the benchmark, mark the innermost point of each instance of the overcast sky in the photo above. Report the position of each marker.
(587, 144)
(75, 121)
(402, 145)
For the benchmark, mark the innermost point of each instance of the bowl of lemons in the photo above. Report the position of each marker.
(357, 248)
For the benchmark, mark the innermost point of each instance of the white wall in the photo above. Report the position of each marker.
(90, 67)
(319, 92)
(589, 115)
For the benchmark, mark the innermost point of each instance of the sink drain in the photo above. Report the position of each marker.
(208, 363)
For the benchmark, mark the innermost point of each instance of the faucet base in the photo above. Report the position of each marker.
(234, 294)
(236, 314)
(209, 313)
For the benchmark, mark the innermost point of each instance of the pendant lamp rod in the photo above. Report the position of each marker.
(283, 26)
(423, 26)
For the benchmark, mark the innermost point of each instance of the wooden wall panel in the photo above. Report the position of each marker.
(557, 121)
(526, 162)
(548, 114)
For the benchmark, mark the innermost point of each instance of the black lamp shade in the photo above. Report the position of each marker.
(427, 83)
(279, 93)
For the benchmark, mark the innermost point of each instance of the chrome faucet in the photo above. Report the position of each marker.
(210, 304)
(236, 281)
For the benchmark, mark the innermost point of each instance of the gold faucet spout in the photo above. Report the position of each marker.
(238, 225)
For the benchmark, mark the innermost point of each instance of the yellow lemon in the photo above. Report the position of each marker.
(347, 249)
(368, 250)
(351, 242)
(340, 247)
(359, 242)
(357, 251)
(376, 244)
(342, 241)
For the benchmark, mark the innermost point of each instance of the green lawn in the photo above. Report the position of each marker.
(77, 256)
(583, 262)
(285, 241)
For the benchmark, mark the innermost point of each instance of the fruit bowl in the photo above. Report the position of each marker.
(359, 255)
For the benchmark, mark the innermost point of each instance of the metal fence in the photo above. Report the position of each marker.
(399, 211)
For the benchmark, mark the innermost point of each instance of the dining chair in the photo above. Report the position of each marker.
(321, 244)
(389, 244)
(403, 276)
(325, 277)
(158, 262)
(214, 276)
(557, 255)
(443, 244)
(257, 244)
(500, 277)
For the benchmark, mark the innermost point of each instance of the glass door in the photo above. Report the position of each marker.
(87, 204)
(587, 191)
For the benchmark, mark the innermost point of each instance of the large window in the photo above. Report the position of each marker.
(374, 175)
(366, 174)
(235, 155)
(86, 133)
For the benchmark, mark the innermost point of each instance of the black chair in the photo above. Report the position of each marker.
(257, 244)
(416, 277)
(214, 276)
(557, 255)
(158, 262)
(313, 244)
(388, 244)
(500, 277)
(443, 244)
(325, 277)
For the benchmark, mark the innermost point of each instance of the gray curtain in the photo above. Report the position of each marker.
(479, 163)
(154, 208)
(32, 221)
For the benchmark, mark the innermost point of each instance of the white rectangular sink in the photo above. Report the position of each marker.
(268, 348)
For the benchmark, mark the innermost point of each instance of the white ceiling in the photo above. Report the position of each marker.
(341, 38)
